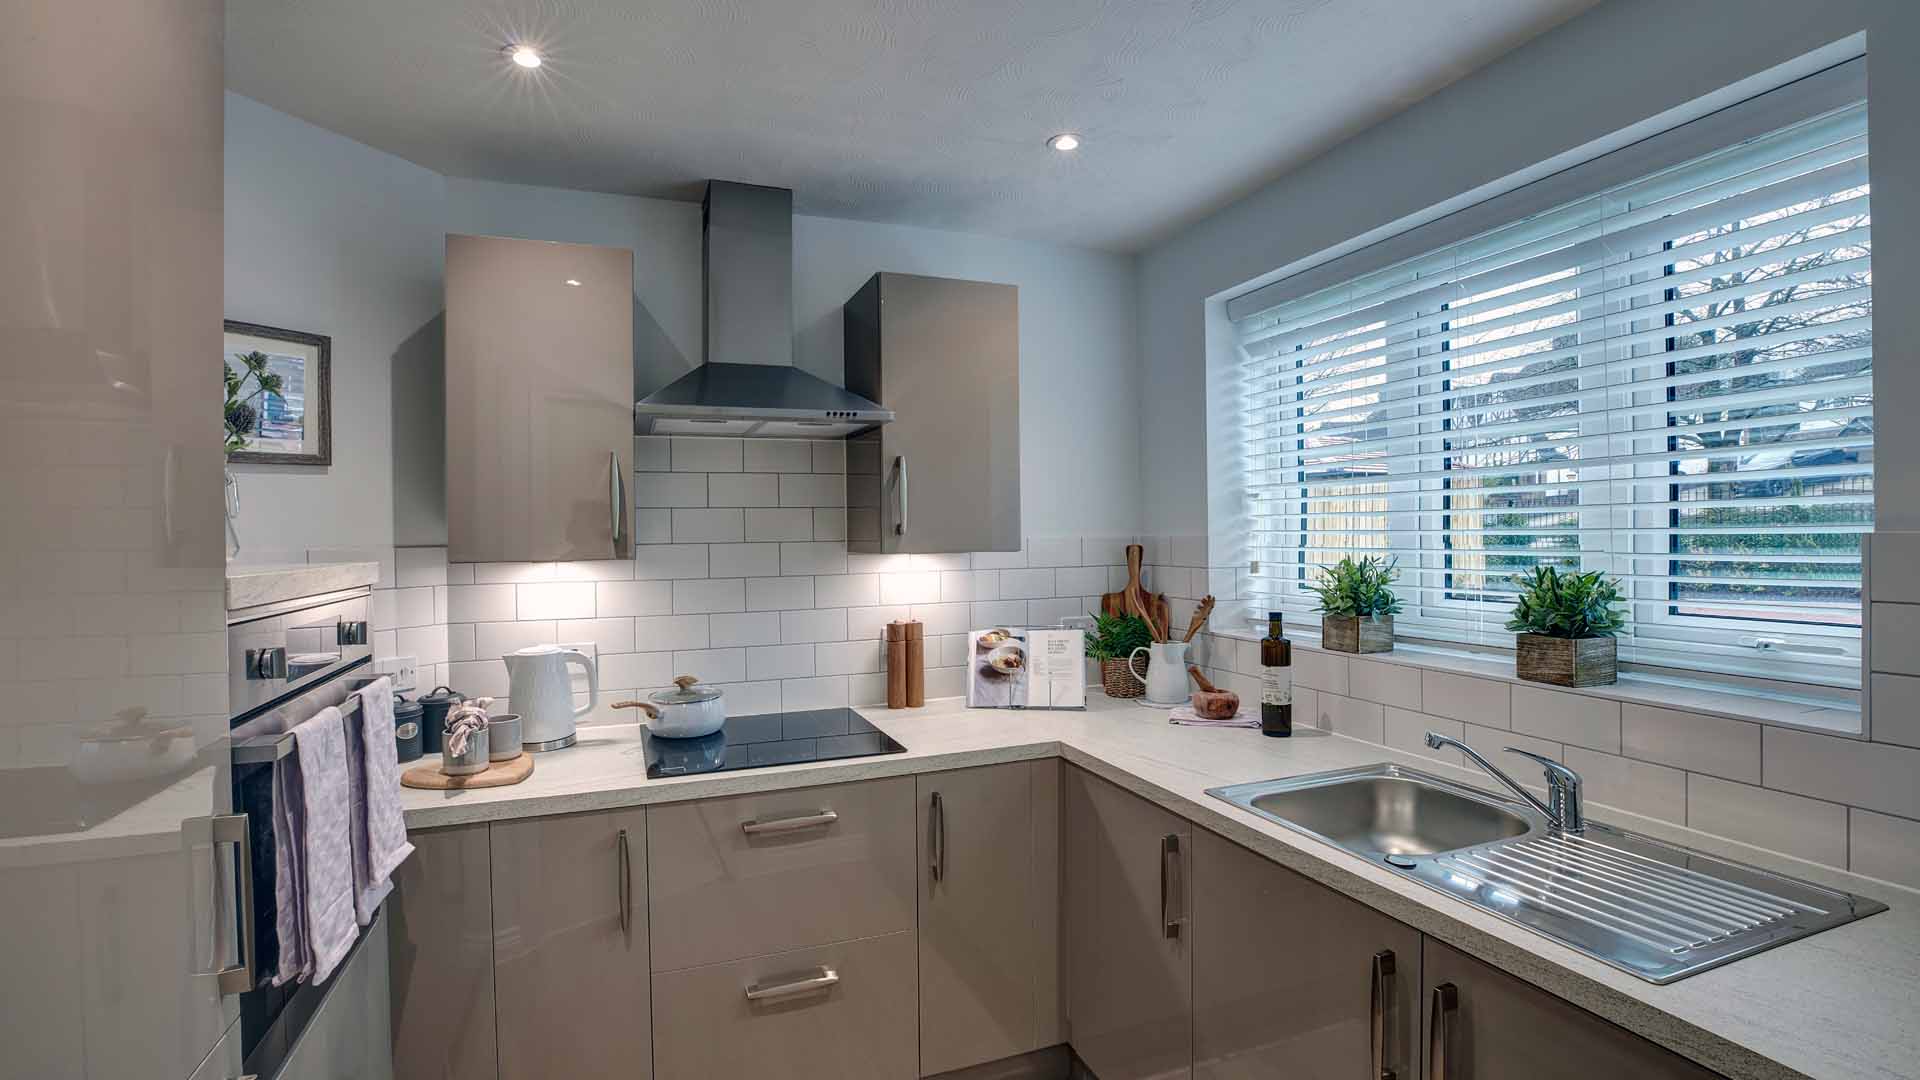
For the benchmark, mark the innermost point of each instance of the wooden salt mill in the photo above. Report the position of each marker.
(906, 664)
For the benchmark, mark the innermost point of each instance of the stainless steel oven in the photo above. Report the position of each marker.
(287, 662)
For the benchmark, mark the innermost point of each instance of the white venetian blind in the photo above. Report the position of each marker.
(1670, 379)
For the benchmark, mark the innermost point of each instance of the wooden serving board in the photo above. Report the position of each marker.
(1115, 603)
(498, 774)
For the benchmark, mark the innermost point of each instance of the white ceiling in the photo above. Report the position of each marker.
(927, 112)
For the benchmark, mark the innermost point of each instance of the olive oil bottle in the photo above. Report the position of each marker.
(1276, 681)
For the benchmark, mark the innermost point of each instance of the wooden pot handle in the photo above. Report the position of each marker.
(643, 706)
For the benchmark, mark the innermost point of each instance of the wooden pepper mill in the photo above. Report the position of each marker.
(906, 664)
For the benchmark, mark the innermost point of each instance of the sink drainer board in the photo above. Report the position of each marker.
(1652, 909)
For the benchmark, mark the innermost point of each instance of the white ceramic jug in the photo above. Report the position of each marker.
(541, 691)
(1166, 679)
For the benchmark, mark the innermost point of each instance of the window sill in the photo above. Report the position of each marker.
(1828, 711)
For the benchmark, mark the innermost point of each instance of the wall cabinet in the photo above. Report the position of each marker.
(1129, 977)
(570, 946)
(944, 355)
(1292, 979)
(539, 400)
(989, 913)
(1479, 1023)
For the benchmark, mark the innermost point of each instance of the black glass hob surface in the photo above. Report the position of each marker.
(755, 742)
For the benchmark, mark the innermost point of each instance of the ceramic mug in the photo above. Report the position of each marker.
(1166, 677)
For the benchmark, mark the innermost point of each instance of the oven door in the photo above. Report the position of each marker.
(275, 651)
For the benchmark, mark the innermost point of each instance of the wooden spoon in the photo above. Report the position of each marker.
(1200, 616)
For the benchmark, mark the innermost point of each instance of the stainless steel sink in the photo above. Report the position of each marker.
(1652, 909)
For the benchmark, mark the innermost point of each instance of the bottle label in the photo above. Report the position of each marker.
(1276, 686)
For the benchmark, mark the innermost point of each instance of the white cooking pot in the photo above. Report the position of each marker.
(687, 712)
(131, 747)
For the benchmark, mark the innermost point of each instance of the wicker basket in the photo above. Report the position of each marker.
(1118, 681)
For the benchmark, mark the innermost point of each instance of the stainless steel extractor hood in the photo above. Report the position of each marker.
(748, 385)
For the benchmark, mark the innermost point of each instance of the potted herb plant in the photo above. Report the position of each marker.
(1113, 639)
(1564, 626)
(1357, 605)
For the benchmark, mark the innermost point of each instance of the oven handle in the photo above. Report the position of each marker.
(212, 832)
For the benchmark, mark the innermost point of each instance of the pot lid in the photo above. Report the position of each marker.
(689, 692)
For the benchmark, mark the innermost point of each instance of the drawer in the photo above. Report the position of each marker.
(864, 1024)
(753, 875)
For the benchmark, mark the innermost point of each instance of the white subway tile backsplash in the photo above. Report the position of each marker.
(1053, 551)
(607, 635)
(743, 489)
(1569, 718)
(702, 454)
(751, 698)
(1895, 639)
(1637, 787)
(777, 525)
(1881, 845)
(942, 618)
(712, 665)
(1055, 610)
(779, 593)
(1105, 550)
(744, 560)
(594, 570)
(910, 588)
(871, 622)
(459, 642)
(1026, 584)
(819, 624)
(813, 558)
(1356, 719)
(780, 662)
(846, 590)
(961, 561)
(778, 455)
(669, 489)
(850, 657)
(859, 562)
(478, 678)
(653, 526)
(829, 692)
(412, 607)
(637, 671)
(1407, 733)
(501, 638)
(866, 690)
(657, 561)
(661, 633)
(1080, 580)
(958, 585)
(1692, 741)
(1389, 684)
(652, 453)
(1172, 580)
(426, 644)
(708, 526)
(556, 600)
(812, 489)
(1319, 670)
(616, 598)
(1874, 776)
(1462, 697)
(1000, 560)
(493, 573)
(829, 456)
(1487, 740)
(700, 597)
(1896, 725)
(479, 603)
(1791, 824)
(413, 566)
(753, 628)
(999, 613)
(829, 523)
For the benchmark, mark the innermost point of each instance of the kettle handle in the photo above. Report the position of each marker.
(593, 680)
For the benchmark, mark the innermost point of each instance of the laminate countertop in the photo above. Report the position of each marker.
(1837, 1004)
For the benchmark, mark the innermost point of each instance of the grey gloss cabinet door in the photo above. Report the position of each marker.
(440, 948)
(989, 913)
(539, 400)
(944, 355)
(1129, 952)
(1288, 975)
(570, 946)
(1479, 1023)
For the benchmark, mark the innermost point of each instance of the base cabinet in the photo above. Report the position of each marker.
(1292, 979)
(570, 946)
(440, 948)
(1129, 976)
(989, 913)
(1479, 1023)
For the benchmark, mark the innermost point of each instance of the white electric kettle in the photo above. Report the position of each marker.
(541, 691)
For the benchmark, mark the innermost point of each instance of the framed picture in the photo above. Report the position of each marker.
(279, 406)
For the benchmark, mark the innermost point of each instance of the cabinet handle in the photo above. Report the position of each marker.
(819, 979)
(616, 494)
(624, 862)
(1383, 978)
(212, 832)
(936, 838)
(1444, 1007)
(900, 466)
(815, 820)
(1170, 916)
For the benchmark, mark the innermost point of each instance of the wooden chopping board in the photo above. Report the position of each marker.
(1115, 603)
(499, 774)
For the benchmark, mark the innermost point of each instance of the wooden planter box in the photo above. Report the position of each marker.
(1351, 633)
(1566, 661)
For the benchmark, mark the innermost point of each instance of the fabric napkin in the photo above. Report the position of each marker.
(379, 835)
(325, 846)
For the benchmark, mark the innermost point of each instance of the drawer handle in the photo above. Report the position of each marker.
(1444, 1008)
(1382, 998)
(817, 819)
(821, 978)
(937, 838)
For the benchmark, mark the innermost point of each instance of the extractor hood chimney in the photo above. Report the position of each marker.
(748, 385)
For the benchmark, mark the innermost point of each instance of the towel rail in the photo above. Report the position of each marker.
(266, 749)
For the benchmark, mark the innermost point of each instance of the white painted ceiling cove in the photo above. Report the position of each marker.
(925, 112)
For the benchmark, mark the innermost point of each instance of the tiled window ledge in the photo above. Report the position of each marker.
(1832, 712)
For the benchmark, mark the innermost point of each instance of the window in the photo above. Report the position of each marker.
(1668, 378)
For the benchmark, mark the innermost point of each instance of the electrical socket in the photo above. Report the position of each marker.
(403, 670)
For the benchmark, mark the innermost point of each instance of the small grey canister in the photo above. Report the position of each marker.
(503, 737)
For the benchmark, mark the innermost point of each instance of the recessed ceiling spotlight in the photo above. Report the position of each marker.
(525, 55)
(574, 281)
(1064, 142)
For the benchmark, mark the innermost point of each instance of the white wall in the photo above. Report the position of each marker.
(1615, 67)
(326, 235)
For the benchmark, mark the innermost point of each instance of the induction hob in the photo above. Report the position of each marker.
(754, 742)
